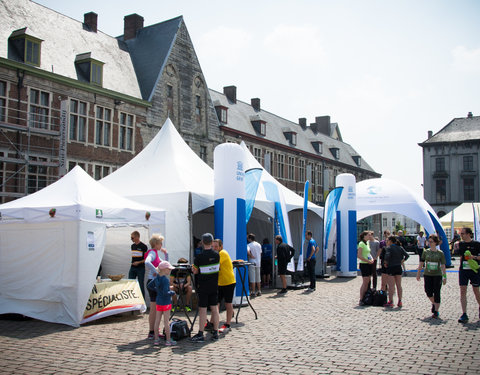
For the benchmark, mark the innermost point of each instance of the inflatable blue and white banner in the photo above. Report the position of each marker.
(329, 217)
(282, 224)
(252, 180)
(304, 229)
(229, 198)
(476, 221)
(443, 237)
(346, 226)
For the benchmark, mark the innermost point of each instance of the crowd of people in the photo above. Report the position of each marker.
(214, 276)
(390, 254)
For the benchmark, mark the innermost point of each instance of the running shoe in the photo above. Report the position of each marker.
(259, 294)
(400, 304)
(156, 342)
(282, 291)
(187, 309)
(198, 337)
(170, 342)
(151, 335)
(463, 319)
(214, 336)
(208, 326)
(435, 315)
(388, 304)
(224, 329)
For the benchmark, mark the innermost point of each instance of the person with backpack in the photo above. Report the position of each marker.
(366, 261)
(284, 253)
(312, 250)
(435, 272)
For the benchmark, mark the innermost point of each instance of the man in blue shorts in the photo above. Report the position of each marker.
(466, 273)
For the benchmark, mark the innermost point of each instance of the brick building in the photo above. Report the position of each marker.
(70, 94)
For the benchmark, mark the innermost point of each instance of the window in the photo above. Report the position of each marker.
(393, 222)
(357, 159)
(468, 189)
(335, 152)
(170, 91)
(291, 137)
(468, 163)
(89, 69)
(198, 108)
(268, 163)
(259, 126)
(203, 153)
(257, 152)
(103, 126)
(439, 164)
(291, 168)
(385, 223)
(441, 191)
(3, 101)
(280, 165)
(73, 164)
(24, 48)
(125, 141)
(301, 170)
(317, 146)
(78, 120)
(318, 171)
(101, 171)
(37, 175)
(39, 103)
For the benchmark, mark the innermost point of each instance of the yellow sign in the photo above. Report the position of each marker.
(112, 297)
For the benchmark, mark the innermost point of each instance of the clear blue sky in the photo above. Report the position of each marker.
(386, 71)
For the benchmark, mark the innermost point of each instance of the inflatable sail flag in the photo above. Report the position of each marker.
(305, 210)
(330, 213)
(282, 225)
(476, 221)
(252, 180)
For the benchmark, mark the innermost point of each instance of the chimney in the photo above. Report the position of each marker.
(470, 115)
(314, 127)
(323, 124)
(131, 24)
(255, 104)
(231, 93)
(430, 133)
(90, 21)
(302, 122)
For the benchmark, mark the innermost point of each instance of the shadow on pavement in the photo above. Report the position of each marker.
(27, 328)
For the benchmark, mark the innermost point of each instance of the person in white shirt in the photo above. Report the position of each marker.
(254, 251)
(421, 240)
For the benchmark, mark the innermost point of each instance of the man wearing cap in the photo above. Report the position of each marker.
(206, 267)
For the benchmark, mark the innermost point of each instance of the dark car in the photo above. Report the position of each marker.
(411, 246)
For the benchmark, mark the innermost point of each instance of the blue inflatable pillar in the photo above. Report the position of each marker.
(347, 226)
(230, 209)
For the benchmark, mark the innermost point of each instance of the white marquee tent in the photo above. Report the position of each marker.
(52, 243)
(462, 215)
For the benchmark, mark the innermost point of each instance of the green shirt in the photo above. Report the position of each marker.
(433, 261)
(365, 250)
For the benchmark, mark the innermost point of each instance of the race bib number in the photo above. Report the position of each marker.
(466, 266)
(210, 268)
(432, 266)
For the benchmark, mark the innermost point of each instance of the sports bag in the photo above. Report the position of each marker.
(368, 297)
(178, 329)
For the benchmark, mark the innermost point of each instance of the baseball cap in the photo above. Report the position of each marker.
(164, 265)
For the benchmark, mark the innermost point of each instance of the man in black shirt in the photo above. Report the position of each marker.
(466, 273)
(137, 268)
(205, 267)
(284, 253)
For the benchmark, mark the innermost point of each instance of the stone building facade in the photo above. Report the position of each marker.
(451, 164)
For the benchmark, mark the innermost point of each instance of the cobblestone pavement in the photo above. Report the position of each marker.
(323, 332)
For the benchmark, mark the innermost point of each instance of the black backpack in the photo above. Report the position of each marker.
(368, 297)
(379, 298)
(178, 329)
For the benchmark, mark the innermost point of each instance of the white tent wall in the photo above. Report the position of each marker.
(49, 279)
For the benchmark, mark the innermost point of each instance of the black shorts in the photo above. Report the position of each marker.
(226, 292)
(266, 266)
(210, 299)
(465, 275)
(366, 269)
(151, 292)
(395, 271)
(282, 268)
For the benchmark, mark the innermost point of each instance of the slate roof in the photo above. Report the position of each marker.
(63, 39)
(240, 115)
(150, 50)
(458, 130)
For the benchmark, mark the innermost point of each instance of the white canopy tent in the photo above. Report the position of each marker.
(52, 243)
(167, 173)
(462, 215)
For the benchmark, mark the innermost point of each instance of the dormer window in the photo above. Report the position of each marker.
(222, 113)
(258, 124)
(357, 159)
(335, 152)
(24, 48)
(317, 146)
(291, 137)
(89, 69)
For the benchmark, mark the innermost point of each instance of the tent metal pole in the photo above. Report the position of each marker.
(190, 226)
